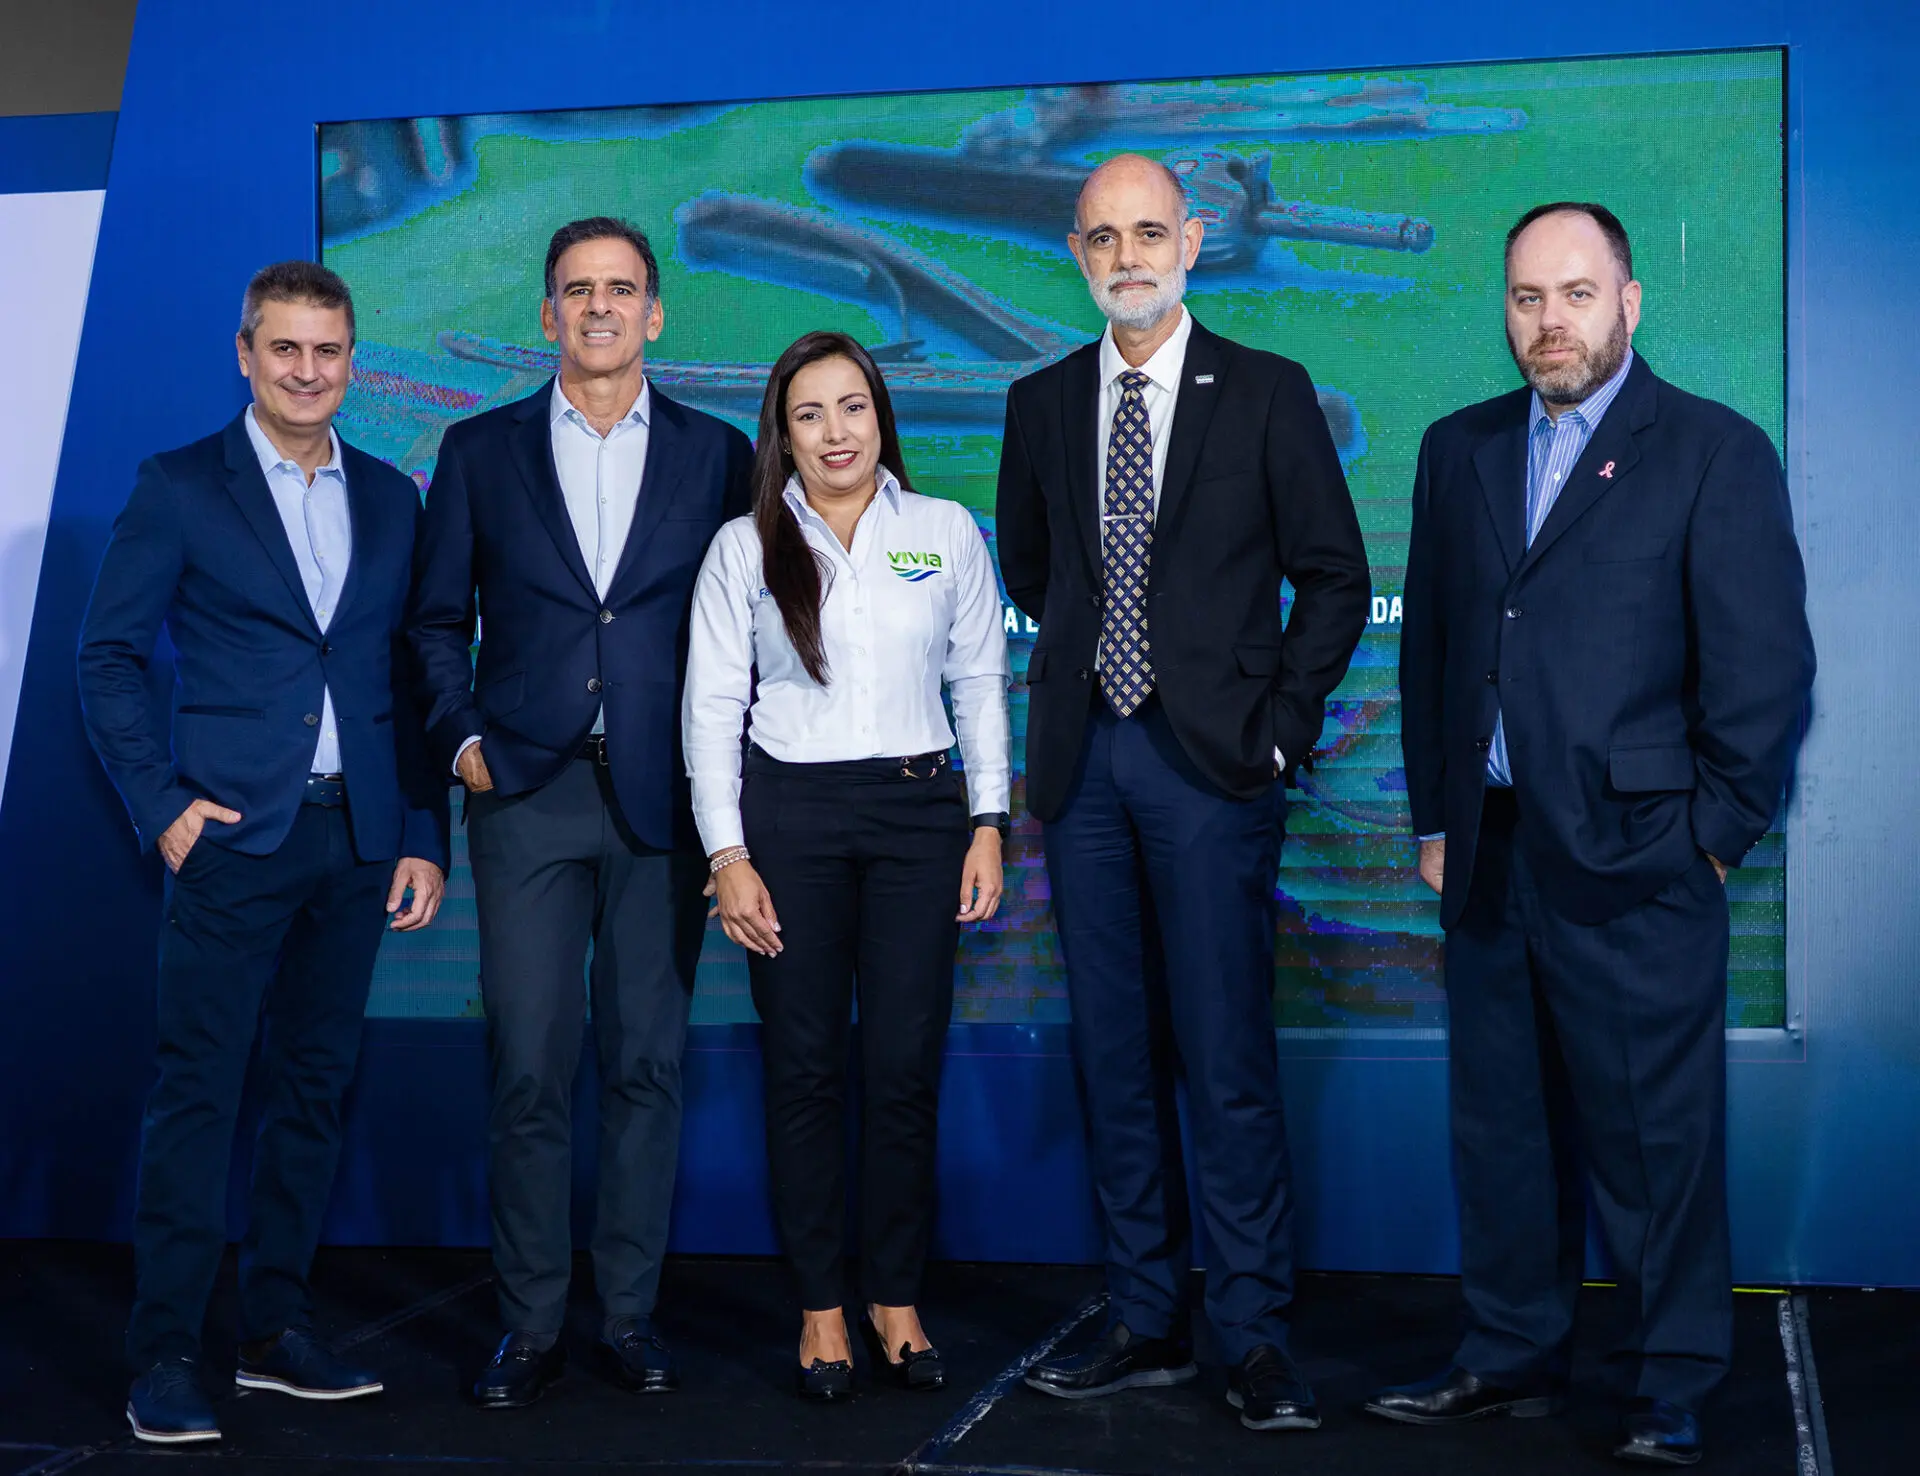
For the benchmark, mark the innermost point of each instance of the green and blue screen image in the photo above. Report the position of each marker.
(1353, 222)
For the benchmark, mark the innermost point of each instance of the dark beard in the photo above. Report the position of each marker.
(1572, 384)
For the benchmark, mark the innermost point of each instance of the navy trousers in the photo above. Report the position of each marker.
(1605, 1044)
(280, 946)
(1163, 897)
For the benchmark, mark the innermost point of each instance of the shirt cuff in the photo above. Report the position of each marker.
(462, 749)
(1437, 835)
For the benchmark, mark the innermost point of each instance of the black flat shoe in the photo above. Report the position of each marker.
(1456, 1396)
(1271, 1393)
(638, 1359)
(1120, 1360)
(518, 1374)
(922, 1372)
(825, 1383)
(1656, 1433)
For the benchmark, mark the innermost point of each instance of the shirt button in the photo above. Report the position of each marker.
(606, 617)
(593, 684)
(312, 720)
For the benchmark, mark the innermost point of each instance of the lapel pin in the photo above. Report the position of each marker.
(1203, 379)
(1607, 471)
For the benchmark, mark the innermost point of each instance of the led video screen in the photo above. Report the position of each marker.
(1353, 222)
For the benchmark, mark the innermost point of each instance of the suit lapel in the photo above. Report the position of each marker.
(247, 484)
(1080, 425)
(658, 477)
(362, 515)
(1201, 384)
(1501, 462)
(1609, 457)
(532, 445)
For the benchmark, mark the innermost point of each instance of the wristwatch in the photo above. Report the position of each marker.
(1000, 820)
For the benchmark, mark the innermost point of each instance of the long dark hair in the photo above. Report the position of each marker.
(791, 568)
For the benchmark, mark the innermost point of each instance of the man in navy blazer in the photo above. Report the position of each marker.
(295, 810)
(571, 526)
(1604, 670)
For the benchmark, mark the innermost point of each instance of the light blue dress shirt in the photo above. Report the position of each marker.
(1553, 446)
(320, 528)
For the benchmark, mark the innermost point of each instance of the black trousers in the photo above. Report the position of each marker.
(280, 946)
(863, 866)
(552, 870)
(1604, 1044)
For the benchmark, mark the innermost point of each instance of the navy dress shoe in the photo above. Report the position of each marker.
(519, 1373)
(823, 1382)
(638, 1359)
(1270, 1392)
(1656, 1433)
(167, 1406)
(921, 1371)
(1456, 1396)
(1120, 1360)
(297, 1363)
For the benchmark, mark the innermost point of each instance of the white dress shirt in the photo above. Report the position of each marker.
(600, 483)
(320, 528)
(911, 605)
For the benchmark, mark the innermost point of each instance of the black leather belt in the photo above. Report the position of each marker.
(329, 790)
(595, 748)
(911, 766)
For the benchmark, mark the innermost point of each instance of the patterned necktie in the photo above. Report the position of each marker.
(1126, 664)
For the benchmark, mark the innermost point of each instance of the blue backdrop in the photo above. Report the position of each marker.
(212, 173)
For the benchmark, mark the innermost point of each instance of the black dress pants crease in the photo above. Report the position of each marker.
(280, 948)
(863, 866)
(555, 869)
(1607, 1040)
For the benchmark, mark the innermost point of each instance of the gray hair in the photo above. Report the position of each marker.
(293, 281)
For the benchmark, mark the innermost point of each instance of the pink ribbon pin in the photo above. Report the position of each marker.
(1607, 471)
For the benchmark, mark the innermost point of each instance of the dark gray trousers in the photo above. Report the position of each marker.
(552, 869)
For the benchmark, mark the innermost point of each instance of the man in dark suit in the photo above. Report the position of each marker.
(295, 810)
(1603, 674)
(1155, 488)
(578, 518)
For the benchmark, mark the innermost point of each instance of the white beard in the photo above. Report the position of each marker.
(1131, 310)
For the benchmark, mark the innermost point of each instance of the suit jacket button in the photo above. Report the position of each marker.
(606, 617)
(326, 650)
(1483, 744)
(1494, 677)
(312, 720)
(593, 684)
(1094, 600)
(1082, 673)
(1513, 612)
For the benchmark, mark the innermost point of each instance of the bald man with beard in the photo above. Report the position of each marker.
(1155, 489)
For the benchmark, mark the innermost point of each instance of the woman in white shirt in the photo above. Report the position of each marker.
(845, 851)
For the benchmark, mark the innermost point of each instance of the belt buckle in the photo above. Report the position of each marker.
(600, 749)
(934, 762)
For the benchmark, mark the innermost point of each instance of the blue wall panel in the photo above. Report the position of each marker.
(212, 174)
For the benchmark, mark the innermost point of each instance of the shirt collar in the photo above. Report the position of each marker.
(1590, 409)
(1165, 365)
(560, 408)
(271, 460)
(889, 488)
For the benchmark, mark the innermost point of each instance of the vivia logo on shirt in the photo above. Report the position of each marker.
(914, 567)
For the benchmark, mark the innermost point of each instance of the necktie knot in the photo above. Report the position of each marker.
(1132, 381)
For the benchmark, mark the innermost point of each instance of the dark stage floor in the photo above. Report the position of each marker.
(425, 1319)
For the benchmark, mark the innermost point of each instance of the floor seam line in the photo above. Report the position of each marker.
(926, 1456)
(1806, 1455)
(1810, 1376)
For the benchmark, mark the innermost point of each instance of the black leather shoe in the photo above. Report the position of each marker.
(638, 1359)
(1270, 1393)
(825, 1383)
(1456, 1396)
(1120, 1360)
(1656, 1433)
(297, 1363)
(519, 1373)
(920, 1371)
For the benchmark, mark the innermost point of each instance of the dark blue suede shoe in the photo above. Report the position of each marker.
(297, 1363)
(167, 1407)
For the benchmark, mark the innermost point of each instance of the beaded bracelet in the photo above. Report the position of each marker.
(723, 859)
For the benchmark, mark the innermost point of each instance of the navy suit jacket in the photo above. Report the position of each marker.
(1650, 650)
(200, 547)
(497, 542)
